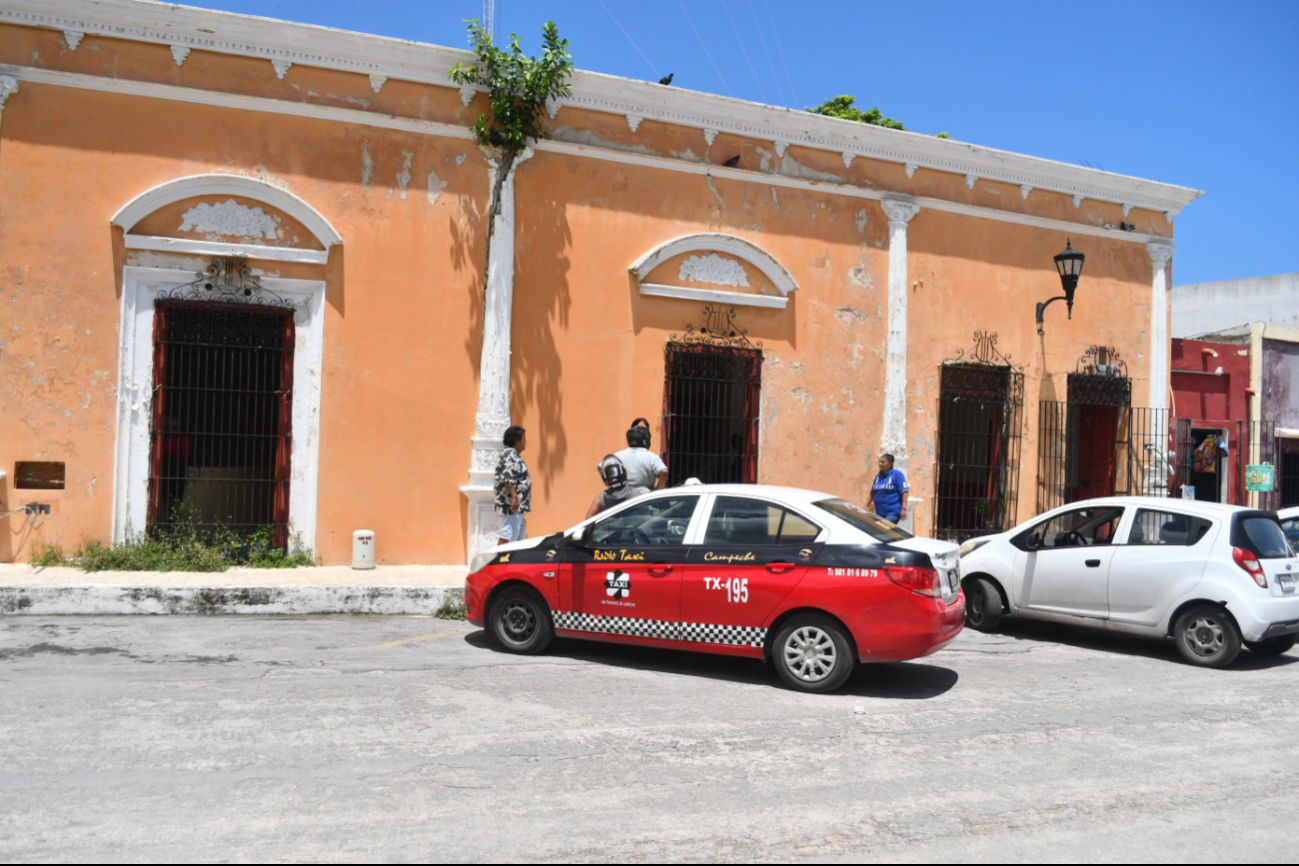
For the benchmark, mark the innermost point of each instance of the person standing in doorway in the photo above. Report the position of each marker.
(513, 487)
(889, 492)
(644, 467)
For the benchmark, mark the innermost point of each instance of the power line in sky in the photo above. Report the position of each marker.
(780, 90)
(781, 48)
(704, 45)
(752, 71)
(629, 39)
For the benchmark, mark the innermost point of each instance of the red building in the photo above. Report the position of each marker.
(1210, 402)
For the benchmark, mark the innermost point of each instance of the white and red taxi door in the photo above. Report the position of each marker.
(748, 556)
(629, 582)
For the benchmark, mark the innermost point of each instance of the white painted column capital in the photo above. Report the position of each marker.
(8, 87)
(1161, 252)
(894, 438)
(493, 415)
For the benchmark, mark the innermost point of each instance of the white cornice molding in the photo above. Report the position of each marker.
(226, 184)
(187, 246)
(738, 299)
(746, 251)
(329, 48)
(153, 90)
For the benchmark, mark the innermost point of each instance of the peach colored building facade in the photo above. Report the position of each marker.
(141, 141)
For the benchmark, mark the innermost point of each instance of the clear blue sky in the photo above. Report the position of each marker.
(1201, 94)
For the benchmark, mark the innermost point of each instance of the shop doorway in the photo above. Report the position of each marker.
(220, 433)
(1206, 467)
(710, 413)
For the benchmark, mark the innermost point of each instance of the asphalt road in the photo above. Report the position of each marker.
(394, 738)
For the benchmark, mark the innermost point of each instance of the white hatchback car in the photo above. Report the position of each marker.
(1212, 576)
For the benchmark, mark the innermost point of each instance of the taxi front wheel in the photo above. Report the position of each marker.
(520, 621)
(812, 654)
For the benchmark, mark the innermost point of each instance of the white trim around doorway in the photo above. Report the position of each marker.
(140, 287)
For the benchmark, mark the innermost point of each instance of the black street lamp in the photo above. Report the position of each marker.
(1070, 264)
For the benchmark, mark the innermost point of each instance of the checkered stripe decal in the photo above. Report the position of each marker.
(615, 625)
(734, 635)
(695, 632)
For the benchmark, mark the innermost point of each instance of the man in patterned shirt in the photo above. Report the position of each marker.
(513, 487)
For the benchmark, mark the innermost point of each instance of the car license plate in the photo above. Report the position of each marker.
(953, 581)
(1287, 582)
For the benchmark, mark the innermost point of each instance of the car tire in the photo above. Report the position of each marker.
(982, 605)
(1273, 646)
(520, 621)
(1207, 636)
(812, 654)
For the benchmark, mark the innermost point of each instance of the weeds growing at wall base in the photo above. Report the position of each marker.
(184, 547)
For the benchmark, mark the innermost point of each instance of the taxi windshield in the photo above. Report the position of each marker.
(872, 524)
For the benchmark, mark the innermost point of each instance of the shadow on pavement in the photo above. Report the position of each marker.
(1126, 644)
(905, 680)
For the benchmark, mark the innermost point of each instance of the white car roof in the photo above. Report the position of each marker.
(1287, 513)
(1161, 503)
(772, 491)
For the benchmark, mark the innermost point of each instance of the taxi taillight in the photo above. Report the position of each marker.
(1250, 563)
(922, 581)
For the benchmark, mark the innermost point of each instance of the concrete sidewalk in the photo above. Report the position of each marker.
(391, 589)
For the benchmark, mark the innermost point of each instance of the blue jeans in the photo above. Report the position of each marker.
(892, 518)
(514, 528)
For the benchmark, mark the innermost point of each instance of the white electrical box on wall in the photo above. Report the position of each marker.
(363, 549)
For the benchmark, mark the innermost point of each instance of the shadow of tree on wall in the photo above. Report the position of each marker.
(542, 300)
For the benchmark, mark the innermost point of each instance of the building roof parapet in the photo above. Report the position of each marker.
(382, 57)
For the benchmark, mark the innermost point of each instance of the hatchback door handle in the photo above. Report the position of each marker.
(780, 567)
(1093, 563)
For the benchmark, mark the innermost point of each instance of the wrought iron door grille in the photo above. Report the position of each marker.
(980, 416)
(710, 413)
(1135, 443)
(220, 433)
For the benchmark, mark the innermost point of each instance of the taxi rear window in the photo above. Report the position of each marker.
(872, 524)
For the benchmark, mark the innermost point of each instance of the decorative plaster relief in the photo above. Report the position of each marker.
(714, 269)
(1127, 209)
(1168, 216)
(179, 53)
(899, 211)
(8, 87)
(1160, 253)
(781, 147)
(1025, 189)
(73, 38)
(281, 67)
(377, 81)
(970, 179)
(467, 93)
(709, 135)
(230, 218)
(847, 158)
(1077, 200)
(633, 122)
(911, 169)
(552, 107)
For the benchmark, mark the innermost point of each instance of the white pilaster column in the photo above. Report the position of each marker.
(894, 440)
(8, 87)
(1160, 253)
(493, 415)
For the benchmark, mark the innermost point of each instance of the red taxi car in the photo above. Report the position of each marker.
(805, 580)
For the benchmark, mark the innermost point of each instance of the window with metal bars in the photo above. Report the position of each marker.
(710, 413)
(980, 415)
(220, 432)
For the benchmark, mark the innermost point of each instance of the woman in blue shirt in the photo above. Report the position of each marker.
(889, 492)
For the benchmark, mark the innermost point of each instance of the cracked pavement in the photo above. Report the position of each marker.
(409, 738)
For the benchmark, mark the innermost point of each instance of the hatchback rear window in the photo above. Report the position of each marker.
(1260, 535)
(872, 524)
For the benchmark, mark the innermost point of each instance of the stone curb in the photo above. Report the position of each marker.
(90, 600)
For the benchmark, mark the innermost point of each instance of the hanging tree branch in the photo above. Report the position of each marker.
(519, 87)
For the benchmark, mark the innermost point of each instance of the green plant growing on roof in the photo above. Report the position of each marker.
(844, 107)
(518, 87)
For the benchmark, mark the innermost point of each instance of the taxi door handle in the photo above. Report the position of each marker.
(659, 569)
(780, 567)
(1093, 563)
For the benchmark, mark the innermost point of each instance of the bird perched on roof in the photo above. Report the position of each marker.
(666, 79)
(732, 162)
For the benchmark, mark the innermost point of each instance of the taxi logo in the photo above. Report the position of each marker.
(729, 557)
(550, 556)
(617, 585)
(505, 557)
(615, 555)
(805, 554)
(892, 560)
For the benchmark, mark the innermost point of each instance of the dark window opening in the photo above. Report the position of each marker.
(710, 413)
(220, 432)
(979, 419)
(39, 475)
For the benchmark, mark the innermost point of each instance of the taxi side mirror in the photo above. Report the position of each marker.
(582, 538)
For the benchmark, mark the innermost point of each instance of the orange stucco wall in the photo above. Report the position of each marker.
(404, 290)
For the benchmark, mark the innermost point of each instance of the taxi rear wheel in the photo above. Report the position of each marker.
(812, 654)
(520, 621)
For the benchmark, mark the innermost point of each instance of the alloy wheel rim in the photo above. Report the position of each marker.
(519, 621)
(1205, 637)
(810, 654)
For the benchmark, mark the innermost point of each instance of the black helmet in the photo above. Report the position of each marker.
(639, 436)
(613, 473)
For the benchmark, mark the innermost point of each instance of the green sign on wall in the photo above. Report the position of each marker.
(1258, 477)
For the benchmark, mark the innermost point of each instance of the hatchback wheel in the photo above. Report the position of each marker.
(1207, 636)
(982, 604)
(1273, 646)
(520, 621)
(812, 654)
